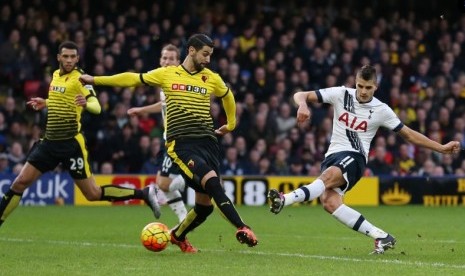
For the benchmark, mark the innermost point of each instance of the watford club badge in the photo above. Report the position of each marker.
(191, 163)
(204, 78)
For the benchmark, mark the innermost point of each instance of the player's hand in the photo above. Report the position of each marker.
(452, 147)
(134, 111)
(79, 100)
(37, 103)
(86, 79)
(222, 130)
(303, 114)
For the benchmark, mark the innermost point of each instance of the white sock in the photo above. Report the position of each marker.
(357, 222)
(178, 183)
(176, 204)
(305, 193)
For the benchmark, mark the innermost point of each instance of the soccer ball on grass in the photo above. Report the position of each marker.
(155, 236)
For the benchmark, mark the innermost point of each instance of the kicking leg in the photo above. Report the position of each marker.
(332, 202)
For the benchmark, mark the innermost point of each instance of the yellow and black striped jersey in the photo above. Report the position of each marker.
(64, 116)
(187, 99)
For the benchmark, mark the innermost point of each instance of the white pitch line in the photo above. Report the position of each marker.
(252, 252)
(346, 259)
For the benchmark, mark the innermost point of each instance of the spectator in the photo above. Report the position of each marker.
(233, 78)
(296, 167)
(247, 39)
(242, 150)
(106, 168)
(123, 149)
(142, 153)
(152, 163)
(447, 164)
(11, 112)
(3, 124)
(16, 154)
(420, 124)
(378, 164)
(10, 50)
(231, 165)
(404, 161)
(285, 121)
(265, 167)
(261, 130)
(281, 163)
(427, 169)
(253, 164)
(4, 164)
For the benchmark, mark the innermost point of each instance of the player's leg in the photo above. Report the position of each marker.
(199, 163)
(212, 185)
(195, 217)
(11, 198)
(334, 167)
(93, 192)
(76, 162)
(333, 204)
(308, 192)
(40, 159)
(348, 168)
(177, 182)
(173, 198)
(170, 182)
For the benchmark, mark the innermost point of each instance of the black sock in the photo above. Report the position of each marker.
(215, 190)
(194, 218)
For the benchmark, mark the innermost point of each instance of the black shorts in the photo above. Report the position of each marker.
(352, 165)
(195, 158)
(72, 153)
(168, 167)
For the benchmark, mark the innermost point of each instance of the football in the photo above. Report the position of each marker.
(155, 236)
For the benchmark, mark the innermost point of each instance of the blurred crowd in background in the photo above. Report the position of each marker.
(265, 51)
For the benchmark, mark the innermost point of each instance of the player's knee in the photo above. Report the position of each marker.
(208, 175)
(20, 184)
(93, 194)
(203, 210)
(213, 187)
(163, 183)
(330, 205)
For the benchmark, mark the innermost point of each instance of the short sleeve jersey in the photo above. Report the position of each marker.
(355, 124)
(187, 98)
(63, 115)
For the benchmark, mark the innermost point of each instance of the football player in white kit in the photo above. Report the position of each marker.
(357, 117)
(169, 179)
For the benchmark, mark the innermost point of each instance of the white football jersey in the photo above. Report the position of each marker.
(355, 124)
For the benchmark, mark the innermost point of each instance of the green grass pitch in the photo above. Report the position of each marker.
(303, 240)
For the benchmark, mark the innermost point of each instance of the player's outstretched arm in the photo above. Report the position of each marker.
(148, 109)
(86, 79)
(421, 140)
(127, 79)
